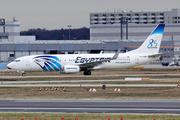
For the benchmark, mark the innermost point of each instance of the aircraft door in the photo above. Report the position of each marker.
(137, 60)
(27, 62)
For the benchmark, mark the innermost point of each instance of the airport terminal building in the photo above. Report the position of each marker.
(108, 33)
(10, 32)
(134, 25)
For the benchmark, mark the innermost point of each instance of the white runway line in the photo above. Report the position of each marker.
(57, 81)
(92, 85)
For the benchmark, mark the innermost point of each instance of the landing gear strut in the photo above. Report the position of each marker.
(88, 72)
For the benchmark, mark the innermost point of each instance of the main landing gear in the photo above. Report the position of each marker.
(87, 72)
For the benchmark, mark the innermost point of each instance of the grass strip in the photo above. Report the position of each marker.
(85, 116)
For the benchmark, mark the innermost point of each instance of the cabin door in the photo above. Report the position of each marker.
(27, 62)
(137, 60)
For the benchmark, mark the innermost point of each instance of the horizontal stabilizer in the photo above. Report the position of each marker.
(159, 54)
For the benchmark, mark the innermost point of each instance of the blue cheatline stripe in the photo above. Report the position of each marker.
(53, 66)
(57, 65)
(50, 61)
(54, 57)
(47, 57)
(159, 29)
(53, 61)
(45, 69)
(41, 56)
(49, 67)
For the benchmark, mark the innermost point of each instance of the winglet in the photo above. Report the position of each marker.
(101, 52)
(116, 55)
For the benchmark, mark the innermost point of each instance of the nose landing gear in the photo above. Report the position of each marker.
(23, 74)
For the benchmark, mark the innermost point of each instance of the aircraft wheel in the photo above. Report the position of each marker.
(23, 74)
(87, 72)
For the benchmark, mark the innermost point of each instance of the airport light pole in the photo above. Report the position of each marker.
(69, 31)
(2, 22)
(124, 20)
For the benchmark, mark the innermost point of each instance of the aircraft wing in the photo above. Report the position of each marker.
(96, 63)
(159, 54)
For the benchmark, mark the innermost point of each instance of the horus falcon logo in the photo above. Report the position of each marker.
(48, 63)
(152, 44)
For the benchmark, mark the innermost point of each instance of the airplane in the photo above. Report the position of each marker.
(74, 63)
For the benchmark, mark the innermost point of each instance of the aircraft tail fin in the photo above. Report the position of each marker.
(153, 41)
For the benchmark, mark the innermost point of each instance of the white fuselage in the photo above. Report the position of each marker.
(124, 60)
(73, 63)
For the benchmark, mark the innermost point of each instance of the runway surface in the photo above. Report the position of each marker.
(92, 106)
(75, 81)
(75, 76)
(78, 83)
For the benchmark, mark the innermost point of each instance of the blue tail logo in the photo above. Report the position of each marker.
(48, 63)
(152, 44)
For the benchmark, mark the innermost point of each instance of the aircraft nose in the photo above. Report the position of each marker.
(10, 66)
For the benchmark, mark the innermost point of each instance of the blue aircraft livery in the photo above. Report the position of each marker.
(159, 29)
(88, 60)
(152, 44)
(48, 63)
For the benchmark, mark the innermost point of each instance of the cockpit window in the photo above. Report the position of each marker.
(16, 60)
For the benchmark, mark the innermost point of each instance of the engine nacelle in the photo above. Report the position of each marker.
(70, 69)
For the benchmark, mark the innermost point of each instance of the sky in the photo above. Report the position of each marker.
(57, 14)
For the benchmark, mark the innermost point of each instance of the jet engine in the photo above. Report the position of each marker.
(70, 69)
